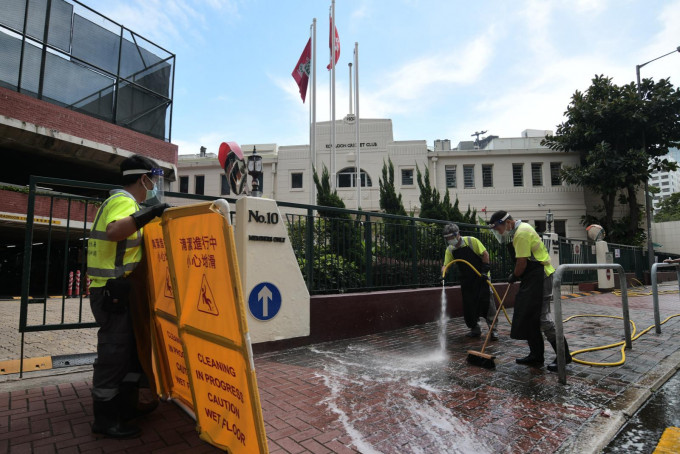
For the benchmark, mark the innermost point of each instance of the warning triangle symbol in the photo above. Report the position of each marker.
(206, 300)
(167, 291)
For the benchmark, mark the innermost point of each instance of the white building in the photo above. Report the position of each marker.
(514, 174)
(667, 182)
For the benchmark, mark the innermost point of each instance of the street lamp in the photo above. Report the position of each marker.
(648, 204)
(549, 219)
(255, 172)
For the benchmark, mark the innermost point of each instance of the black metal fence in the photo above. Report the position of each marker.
(341, 250)
(338, 250)
(70, 55)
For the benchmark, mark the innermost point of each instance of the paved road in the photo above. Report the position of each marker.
(393, 392)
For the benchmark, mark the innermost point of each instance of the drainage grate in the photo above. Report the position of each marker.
(79, 359)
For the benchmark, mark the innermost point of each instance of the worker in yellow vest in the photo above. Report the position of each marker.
(531, 314)
(477, 297)
(114, 252)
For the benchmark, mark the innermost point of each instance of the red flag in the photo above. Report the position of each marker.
(301, 71)
(330, 43)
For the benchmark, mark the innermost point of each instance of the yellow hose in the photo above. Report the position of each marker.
(634, 337)
(493, 289)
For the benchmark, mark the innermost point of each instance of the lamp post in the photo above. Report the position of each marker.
(255, 172)
(648, 204)
(549, 220)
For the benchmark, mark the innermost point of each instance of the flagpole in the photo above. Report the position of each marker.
(350, 88)
(332, 34)
(312, 113)
(356, 116)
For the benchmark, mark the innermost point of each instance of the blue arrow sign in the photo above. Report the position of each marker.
(264, 301)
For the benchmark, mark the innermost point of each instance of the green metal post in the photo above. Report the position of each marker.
(309, 248)
(26, 275)
(368, 253)
(414, 252)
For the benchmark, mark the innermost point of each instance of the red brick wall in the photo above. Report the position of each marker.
(17, 202)
(26, 108)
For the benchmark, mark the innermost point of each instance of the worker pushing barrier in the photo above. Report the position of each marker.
(214, 295)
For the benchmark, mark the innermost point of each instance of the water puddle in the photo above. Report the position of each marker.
(406, 410)
(643, 431)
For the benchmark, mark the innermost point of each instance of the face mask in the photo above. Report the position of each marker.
(455, 242)
(500, 238)
(151, 193)
(505, 237)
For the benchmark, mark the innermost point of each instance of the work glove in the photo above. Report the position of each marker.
(485, 268)
(145, 215)
(512, 278)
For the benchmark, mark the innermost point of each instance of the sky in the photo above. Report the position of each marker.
(439, 69)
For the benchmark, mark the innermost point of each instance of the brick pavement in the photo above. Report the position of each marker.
(392, 392)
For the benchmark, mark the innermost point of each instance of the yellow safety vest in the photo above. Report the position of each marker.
(528, 244)
(108, 259)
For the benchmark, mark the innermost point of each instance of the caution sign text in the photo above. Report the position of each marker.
(213, 333)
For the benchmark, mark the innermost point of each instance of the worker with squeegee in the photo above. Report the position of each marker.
(532, 302)
(477, 296)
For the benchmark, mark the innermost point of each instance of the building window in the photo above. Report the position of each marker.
(540, 226)
(184, 185)
(450, 176)
(199, 184)
(518, 175)
(536, 174)
(469, 176)
(555, 169)
(224, 185)
(296, 180)
(487, 175)
(407, 177)
(347, 178)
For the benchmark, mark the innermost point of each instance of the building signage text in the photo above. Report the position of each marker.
(353, 145)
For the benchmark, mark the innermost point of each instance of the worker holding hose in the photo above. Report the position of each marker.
(477, 296)
(532, 302)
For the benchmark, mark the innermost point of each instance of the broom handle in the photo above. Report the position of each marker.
(495, 317)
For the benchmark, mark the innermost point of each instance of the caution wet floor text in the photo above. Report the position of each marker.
(206, 360)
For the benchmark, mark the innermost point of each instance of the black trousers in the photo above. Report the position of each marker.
(116, 349)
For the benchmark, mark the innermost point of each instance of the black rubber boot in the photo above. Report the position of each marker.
(552, 367)
(530, 360)
(536, 350)
(106, 420)
(130, 407)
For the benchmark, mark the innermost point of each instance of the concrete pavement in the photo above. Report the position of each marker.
(392, 392)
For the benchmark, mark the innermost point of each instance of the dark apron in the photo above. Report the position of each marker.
(473, 288)
(142, 324)
(526, 318)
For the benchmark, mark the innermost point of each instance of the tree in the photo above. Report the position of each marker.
(431, 207)
(390, 201)
(324, 196)
(621, 137)
(669, 209)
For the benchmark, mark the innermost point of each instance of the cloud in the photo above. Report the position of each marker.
(164, 21)
(192, 145)
(662, 43)
(540, 101)
(414, 85)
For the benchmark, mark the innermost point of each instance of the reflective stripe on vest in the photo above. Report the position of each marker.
(120, 268)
